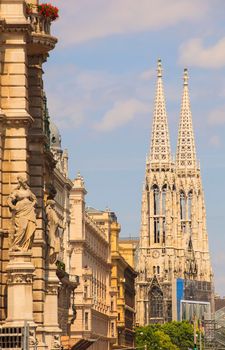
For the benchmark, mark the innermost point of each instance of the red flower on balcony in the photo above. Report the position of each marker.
(48, 11)
(43, 10)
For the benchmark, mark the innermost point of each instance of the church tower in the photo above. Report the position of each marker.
(173, 238)
(191, 206)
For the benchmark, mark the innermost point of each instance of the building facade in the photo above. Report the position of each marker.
(173, 238)
(123, 282)
(89, 244)
(26, 170)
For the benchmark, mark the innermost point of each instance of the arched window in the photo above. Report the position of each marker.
(164, 200)
(156, 302)
(156, 199)
(164, 230)
(154, 270)
(189, 205)
(156, 230)
(182, 206)
(158, 270)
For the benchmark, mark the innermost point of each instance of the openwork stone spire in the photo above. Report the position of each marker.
(186, 153)
(160, 144)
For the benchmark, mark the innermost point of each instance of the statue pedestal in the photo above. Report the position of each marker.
(51, 325)
(19, 295)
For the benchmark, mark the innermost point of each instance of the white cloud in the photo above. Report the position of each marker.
(217, 116)
(215, 141)
(148, 74)
(194, 53)
(122, 113)
(76, 96)
(87, 19)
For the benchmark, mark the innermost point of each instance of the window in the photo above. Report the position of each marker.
(182, 206)
(85, 292)
(118, 316)
(164, 231)
(86, 321)
(158, 270)
(156, 199)
(164, 200)
(156, 300)
(154, 270)
(156, 231)
(189, 205)
(112, 330)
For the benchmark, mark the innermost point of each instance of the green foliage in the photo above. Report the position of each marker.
(60, 265)
(169, 336)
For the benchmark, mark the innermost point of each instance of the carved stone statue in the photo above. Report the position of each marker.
(22, 202)
(53, 224)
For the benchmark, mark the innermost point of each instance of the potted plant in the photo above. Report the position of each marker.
(44, 10)
(48, 11)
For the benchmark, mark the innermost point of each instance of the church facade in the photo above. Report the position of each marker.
(173, 254)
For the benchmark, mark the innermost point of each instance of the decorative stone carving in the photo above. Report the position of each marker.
(52, 289)
(33, 342)
(53, 224)
(22, 202)
(56, 342)
(20, 278)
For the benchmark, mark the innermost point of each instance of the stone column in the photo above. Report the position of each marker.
(51, 325)
(19, 295)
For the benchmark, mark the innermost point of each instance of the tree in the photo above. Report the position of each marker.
(180, 333)
(171, 335)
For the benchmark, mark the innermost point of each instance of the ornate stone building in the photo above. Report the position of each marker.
(90, 259)
(173, 238)
(34, 199)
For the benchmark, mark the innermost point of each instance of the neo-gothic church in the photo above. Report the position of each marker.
(173, 238)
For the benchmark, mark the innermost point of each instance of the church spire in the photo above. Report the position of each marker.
(160, 144)
(186, 153)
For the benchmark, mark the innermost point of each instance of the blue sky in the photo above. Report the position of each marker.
(100, 82)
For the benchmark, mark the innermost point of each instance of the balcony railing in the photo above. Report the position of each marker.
(39, 24)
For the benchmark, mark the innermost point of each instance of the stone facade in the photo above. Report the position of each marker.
(89, 244)
(33, 163)
(25, 145)
(123, 282)
(173, 237)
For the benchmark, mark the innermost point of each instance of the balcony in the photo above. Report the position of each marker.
(41, 41)
(39, 24)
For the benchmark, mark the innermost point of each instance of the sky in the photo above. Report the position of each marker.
(100, 82)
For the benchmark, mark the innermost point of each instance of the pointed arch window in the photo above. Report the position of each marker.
(189, 204)
(156, 230)
(182, 206)
(156, 302)
(156, 200)
(164, 231)
(164, 189)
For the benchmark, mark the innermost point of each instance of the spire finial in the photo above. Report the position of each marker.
(159, 68)
(186, 77)
(160, 144)
(186, 151)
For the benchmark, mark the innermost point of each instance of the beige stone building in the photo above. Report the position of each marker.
(34, 199)
(123, 282)
(25, 44)
(173, 254)
(89, 244)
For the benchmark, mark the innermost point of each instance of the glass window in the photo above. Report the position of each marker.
(189, 205)
(164, 200)
(156, 230)
(156, 199)
(182, 206)
(156, 300)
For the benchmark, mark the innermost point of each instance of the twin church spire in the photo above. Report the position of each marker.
(160, 143)
(160, 151)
